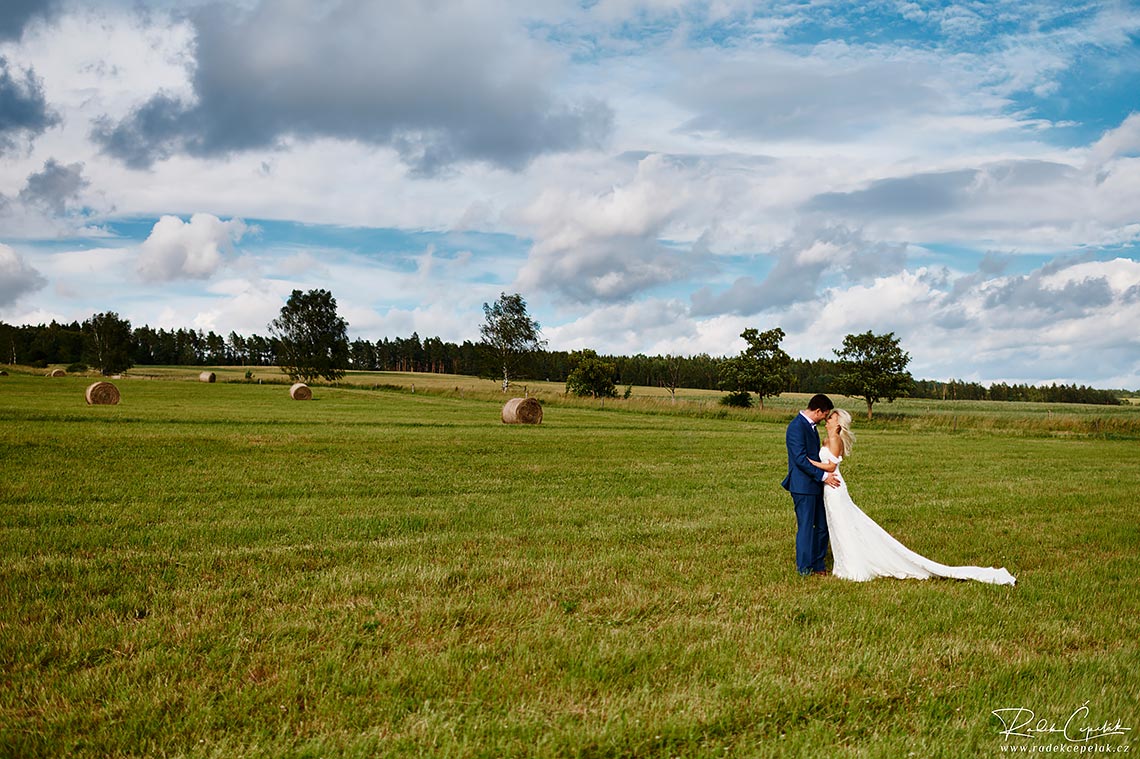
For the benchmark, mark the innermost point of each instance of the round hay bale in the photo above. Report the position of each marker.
(57, 373)
(522, 411)
(207, 377)
(102, 394)
(300, 392)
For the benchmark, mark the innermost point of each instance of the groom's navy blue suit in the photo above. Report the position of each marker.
(805, 483)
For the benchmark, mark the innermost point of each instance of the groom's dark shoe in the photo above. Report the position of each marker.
(821, 572)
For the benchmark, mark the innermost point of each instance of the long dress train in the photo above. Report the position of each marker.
(863, 550)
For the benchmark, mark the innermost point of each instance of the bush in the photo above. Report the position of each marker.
(77, 368)
(592, 376)
(737, 399)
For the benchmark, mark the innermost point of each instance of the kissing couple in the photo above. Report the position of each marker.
(861, 549)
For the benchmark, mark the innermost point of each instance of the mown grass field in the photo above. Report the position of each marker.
(215, 570)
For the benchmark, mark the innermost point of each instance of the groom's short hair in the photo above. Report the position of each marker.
(820, 402)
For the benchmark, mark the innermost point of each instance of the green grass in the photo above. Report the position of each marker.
(214, 570)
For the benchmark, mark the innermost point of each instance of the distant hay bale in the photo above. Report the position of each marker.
(522, 411)
(300, 392)
(57, 373)
(102, 394)
(207, 377)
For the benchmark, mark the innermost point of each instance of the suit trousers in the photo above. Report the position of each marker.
(811, 532)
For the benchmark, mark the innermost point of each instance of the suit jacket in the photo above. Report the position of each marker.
(803, 443)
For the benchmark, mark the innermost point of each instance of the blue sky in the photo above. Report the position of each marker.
(653, 176)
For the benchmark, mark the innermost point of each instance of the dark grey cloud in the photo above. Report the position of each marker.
(919, 194)
(17, 278)
(17, 14)
(1058, 265)
(1030, 295)
(24, 112)
(746, 295)
(1028, 301)
(869, 260)
(800, 266)
(611, 269)
(935, 193)
(154, 131)
(55, 187)
(437, 81)
(951, 318)
(992, 265)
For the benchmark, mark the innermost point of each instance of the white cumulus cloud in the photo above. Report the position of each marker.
(607, 246)
(188, 250)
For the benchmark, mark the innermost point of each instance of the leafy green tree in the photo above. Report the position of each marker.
(873, 367)
(312, 339)
(509, 333)
(592, 376)
(761, 368)
(108, 343)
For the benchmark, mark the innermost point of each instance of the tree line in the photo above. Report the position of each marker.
(762, 368)
(67, 344)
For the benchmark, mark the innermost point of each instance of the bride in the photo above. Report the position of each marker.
(861, 548)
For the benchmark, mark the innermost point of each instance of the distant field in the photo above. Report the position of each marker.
(687, 399)
(215, 570)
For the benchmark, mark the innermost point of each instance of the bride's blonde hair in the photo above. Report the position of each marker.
(846, 436)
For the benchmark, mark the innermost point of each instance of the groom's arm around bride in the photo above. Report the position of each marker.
(805, 482)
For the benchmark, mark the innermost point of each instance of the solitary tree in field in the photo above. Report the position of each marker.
(873, 367)
(312, 339)
(672, 367)
(761, 368)
(510, 333)
(107, 343)
(592, 376)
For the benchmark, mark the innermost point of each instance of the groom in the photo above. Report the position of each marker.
(805, 483)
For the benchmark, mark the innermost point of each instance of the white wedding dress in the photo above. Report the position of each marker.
(863, 550)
